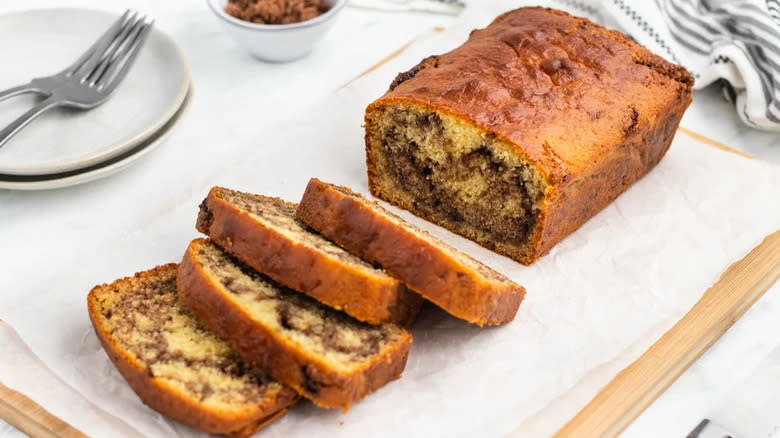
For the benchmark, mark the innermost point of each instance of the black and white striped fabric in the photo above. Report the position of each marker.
(733, 43)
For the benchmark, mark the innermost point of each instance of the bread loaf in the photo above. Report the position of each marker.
(532, 126)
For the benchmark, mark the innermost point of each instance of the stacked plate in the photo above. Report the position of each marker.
(67, 147)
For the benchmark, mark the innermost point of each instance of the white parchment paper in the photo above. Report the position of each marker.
(600, 297)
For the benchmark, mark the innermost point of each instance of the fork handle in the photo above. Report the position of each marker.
(26, 118)
(15, 91)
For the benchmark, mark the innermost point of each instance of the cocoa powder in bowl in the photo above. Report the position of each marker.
(276, 11)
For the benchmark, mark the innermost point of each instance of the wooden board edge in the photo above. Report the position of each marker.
(21, 412)
(706, 140)
(392, 55)
(624, 398)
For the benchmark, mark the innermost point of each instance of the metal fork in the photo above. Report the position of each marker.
(90, 80)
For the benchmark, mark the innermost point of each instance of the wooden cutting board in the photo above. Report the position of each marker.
(32, 419)
(626, 396)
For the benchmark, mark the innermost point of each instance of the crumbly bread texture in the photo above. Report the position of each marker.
(524, 132)
(175, 364)
(264, 233)
(326, 355)
(449, 278)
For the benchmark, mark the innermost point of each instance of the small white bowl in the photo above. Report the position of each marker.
(277, 42)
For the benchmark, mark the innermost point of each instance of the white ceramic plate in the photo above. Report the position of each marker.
(101, 170)
(43, 42)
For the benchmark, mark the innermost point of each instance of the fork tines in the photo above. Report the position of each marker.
(105, 63)
(110, 66)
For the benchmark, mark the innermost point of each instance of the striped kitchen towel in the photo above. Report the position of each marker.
(735, 43)
(730, 43)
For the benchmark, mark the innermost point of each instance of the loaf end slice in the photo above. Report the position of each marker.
(175, 364)
(327, 356)
(263, 232)
(449, 278)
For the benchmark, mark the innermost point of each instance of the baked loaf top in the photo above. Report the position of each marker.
(565, 90)
(451, 279)
(263, 232)
(176, 365)
(324, 354)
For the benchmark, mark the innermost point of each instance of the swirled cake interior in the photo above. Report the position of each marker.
(342, 340)
(451, 173)
(147, 319)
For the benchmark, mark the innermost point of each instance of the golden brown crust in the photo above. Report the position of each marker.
(354, 223)
(285, 362)
(590, 108)
(371, 298)
(165, 398)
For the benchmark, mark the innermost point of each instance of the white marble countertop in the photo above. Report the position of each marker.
(272, 92)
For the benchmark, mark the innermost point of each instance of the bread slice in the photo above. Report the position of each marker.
(449, 278)
(263, 233)
(177, 366)
(326, 355)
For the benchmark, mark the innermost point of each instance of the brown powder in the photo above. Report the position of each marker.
(276, 11)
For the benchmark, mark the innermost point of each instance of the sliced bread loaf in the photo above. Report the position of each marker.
(527, 130)
(449, 278)
(263, 233)
(177, 366)
(326, 355)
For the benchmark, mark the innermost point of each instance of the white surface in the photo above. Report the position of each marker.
(244, 98)
(41, 384)
(102, 169)
(712, 116)
(277, 43)
(752, 409)
(8, 431)
(39, 43)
